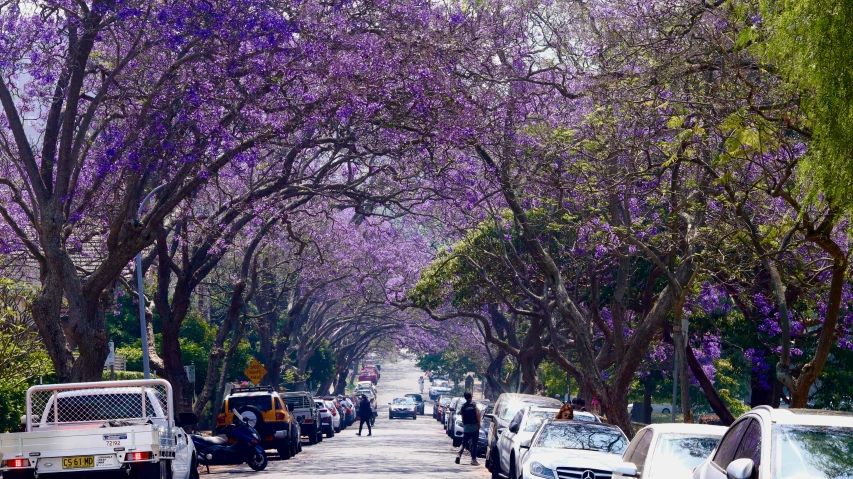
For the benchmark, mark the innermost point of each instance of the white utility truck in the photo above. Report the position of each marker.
(101, 429)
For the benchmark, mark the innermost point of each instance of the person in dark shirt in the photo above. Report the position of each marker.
(470, 429)
(365, 414)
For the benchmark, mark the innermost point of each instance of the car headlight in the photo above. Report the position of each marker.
(538, 470)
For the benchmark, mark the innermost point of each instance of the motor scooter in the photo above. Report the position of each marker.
(215, 451)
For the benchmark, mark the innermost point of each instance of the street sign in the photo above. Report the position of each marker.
(190, 370)
(255, 372)
(111, 359)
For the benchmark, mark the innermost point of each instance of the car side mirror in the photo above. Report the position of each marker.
(290, 408)
(525, 444)
(513, 428)
(740, 469)
(187, 419)
(490, 417)
(625, 469)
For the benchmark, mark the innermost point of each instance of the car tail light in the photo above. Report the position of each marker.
(17, 463)
(308, 421)
(324, 410)
(220, 419)
(138, 456)
(269, 438)
(279, 416)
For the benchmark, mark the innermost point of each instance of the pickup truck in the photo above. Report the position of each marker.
(124, 427)
(306, 412)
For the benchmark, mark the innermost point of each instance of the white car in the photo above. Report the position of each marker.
(438, 388)
(784, 444)
(403, 407)
(522, 427)
(663, 451)
(327, 424)
(576, 449)
(656, 408)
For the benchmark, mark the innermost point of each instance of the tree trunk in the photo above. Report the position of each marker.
(714, 399)
(341, 387)
(217, 353)
(616, 408)
(323, 390)
(46, 309)
(681, 375)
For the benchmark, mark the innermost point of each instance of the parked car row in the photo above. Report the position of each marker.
(282, 419)
(521, 438)
(370, 372)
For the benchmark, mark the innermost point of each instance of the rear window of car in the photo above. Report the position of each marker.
(298, 401)
(264, 403)
(416, 397)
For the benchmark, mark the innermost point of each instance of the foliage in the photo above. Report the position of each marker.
(12, 406)
(810, 40)
(22, 354)
(321, 365)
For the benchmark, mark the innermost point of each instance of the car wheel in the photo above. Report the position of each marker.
(320, 437)
(330, 434)
(313, 438)
(666, 410)
(338, 430)
(284, 450)
(512, 473)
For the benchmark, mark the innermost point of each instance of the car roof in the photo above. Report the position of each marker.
(542, 409)
(807, 417)
(529, 399)
(678, 428)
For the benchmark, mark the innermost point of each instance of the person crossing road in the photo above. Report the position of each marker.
(365, 415)
(421, 384)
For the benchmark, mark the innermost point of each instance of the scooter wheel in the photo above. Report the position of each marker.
(258, 461)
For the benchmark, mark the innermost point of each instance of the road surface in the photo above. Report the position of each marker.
(399, 448)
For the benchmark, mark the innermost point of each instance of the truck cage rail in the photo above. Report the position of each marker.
(93, 402)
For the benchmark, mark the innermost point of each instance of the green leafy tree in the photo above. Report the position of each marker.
(810, 41)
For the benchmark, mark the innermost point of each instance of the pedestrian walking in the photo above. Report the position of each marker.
(469, 383)
(470, 429)
(365, 415)
(421, 384)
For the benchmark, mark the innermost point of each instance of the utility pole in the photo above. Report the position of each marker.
(143, 325)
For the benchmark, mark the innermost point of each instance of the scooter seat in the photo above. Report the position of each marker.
(210, 441)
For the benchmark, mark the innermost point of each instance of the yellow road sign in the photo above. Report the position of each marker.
(255, 372)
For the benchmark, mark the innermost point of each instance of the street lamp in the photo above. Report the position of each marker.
(143, 327)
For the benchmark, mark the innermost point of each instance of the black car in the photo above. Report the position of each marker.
(485, 424)
(419, 400)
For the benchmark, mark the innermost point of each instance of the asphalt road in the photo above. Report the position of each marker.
(402, 447)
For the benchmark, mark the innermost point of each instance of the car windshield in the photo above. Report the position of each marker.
(585, 416)
(676, 455)
(441, 384)
(573, 435)
(813, 451)
(414, 397)
(403, 401)
(536, 418)
(264, 403)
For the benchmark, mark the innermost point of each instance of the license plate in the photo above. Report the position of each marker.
(78, 462)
